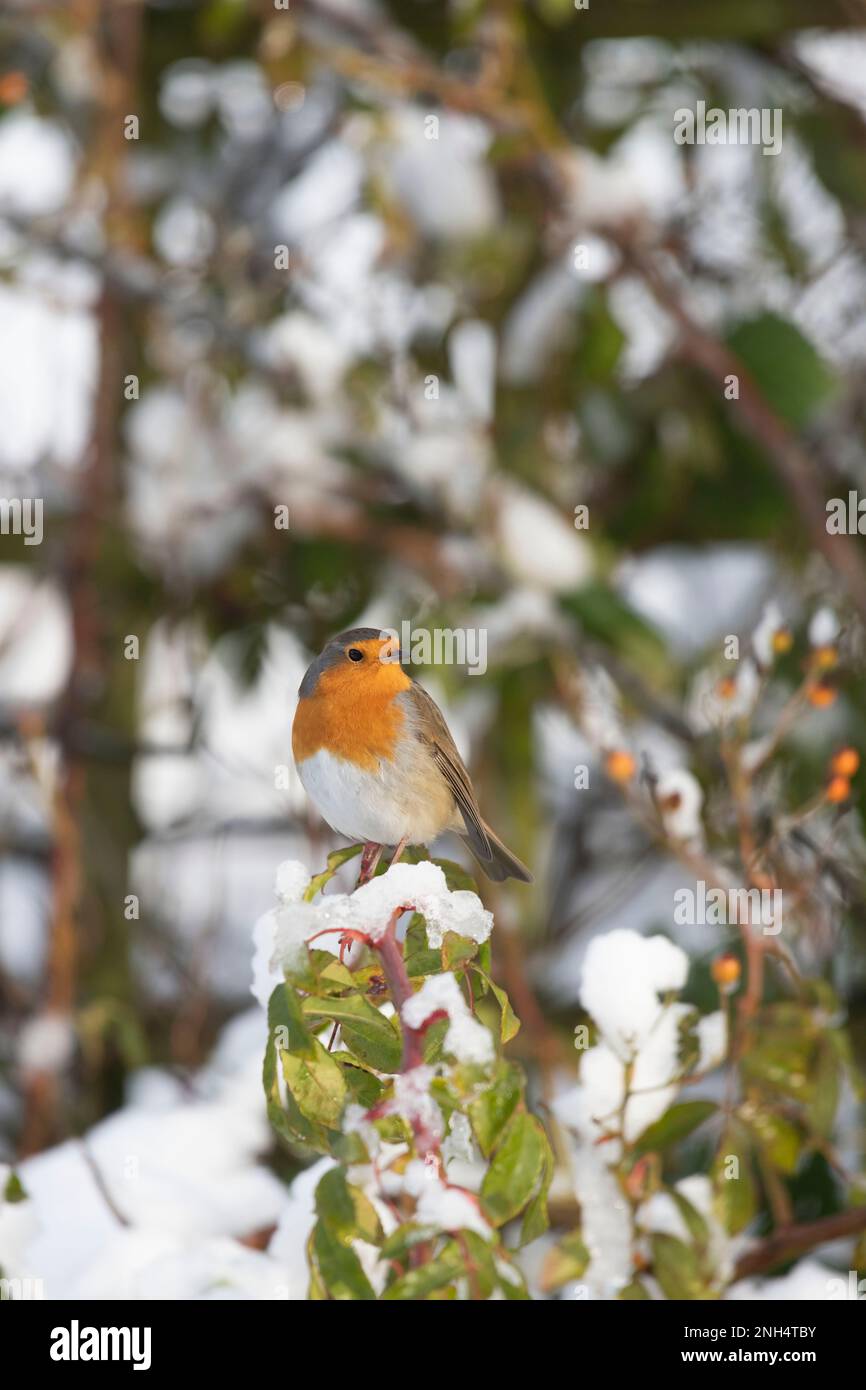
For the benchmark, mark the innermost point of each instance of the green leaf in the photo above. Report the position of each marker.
(456, 877)
(317, 1085)
(677, 1269)
(604, 615)
(673, 1125)
(457, 950)
(336, 858)
(515, 1171)
(601, 339)
(418, 956)
(790, 373)
(736, 1197)
(319, 972)
(632, 1291)
(482, 1274)
(434, 1040)
(509, 1023)
(433, 1275)
(334, 1204)
(317, 1293)
(688, 1042)
(535, 1218)
(780, 1140)
(402, 1240)
(338, 1266)
(365, 1031)
(365, 1086)
(485, 961)
(780, 1055)
(13, 1190)
(568, 1260)
(332, 975)
(826, 1082)
(346, 1210)
(693, 1221)
(286, 1024)
(490, 1111)
(315, 1081)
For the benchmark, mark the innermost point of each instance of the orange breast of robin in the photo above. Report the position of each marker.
(353, 715)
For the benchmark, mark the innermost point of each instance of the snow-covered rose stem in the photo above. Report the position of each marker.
(376, 1057)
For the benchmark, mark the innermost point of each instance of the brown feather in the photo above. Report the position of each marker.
(432, 728)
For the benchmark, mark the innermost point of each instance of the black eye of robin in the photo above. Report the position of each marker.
(355, 655)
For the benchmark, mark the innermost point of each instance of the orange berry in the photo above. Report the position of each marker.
(825, 658)
(783, 641)
(620, 766)
(821, 696)
(726, 971)
(838, 790)
(845, 763)
(13, 88)
(727, 687)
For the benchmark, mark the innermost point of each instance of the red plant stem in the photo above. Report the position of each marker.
(394, 967)
(396, 974)
(427, 1143)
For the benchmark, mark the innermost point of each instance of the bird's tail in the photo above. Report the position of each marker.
(495, 858)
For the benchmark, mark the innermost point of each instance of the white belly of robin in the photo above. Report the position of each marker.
(407, 798)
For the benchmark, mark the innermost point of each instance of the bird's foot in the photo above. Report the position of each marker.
(369, 860)
(398, 851)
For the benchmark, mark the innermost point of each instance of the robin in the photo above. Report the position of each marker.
(374, 754)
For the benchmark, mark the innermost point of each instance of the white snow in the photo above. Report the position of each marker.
(46, 1043)
(36, 165)
(466, 1038)
(445, 184)
(291, 882)
(680, 799)
(710, 707)
(622, 977)
(35, 638)
(538, 545)
(171, 1213)
(823, 628)
(370, 908)
(472, 355)
(808, 1282)
(412, 1100)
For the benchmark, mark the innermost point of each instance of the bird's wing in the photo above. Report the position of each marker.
(433, 729)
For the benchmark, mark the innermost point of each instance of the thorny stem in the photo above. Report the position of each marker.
(394, 967)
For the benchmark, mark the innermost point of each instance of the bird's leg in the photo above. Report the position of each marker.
(369, 859)
(398, 851)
